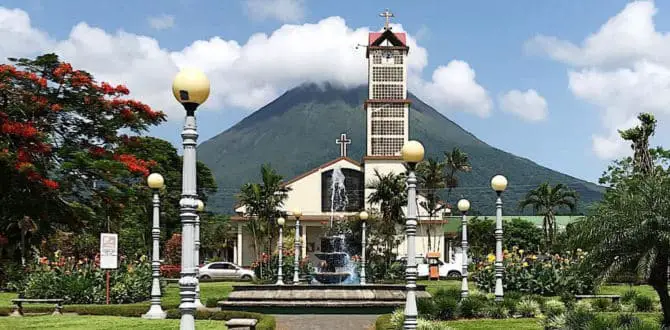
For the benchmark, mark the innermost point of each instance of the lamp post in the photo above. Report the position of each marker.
(412, 153)
(280, 275)
(499, 183)
(155, 182)
(364, 218)
(196, 255)
(296, 265)
(191, 88)
(464, 206)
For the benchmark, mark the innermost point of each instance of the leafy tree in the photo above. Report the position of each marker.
(455, 161)
(391, 196)
(431, 177)
(518, 232)
(630, 228)
(262, 202)
(547, 201)
(215, 234)
(59, 136)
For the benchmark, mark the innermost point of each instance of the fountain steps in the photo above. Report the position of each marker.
(304, 297)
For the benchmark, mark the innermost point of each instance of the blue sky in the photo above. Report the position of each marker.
(496, 39)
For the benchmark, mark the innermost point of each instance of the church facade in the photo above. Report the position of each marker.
(338, 188)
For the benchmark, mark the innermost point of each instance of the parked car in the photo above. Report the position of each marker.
(446, 270)
(225, 271)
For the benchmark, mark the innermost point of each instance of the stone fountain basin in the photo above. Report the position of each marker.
(331, 278)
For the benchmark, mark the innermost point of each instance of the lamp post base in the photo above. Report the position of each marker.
(199, 306)
(155, 313)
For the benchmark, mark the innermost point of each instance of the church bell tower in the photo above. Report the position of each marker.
(387, 106)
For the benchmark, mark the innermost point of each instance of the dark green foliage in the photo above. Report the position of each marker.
(497, 311)
(383, 322)
(629, 296)
(510, 303)
(601, 305)
(296, 132)
(568, 299)
(472, 307)
(643, 304)
(578, 319)
(427, 308)
(518, 232)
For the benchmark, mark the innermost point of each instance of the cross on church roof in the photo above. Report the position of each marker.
(343, 141)
(387, 15)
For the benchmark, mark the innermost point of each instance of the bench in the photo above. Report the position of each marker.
(242, 323)
(615, 298)
(18, 305)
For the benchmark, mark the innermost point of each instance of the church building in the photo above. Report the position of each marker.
(338, 188)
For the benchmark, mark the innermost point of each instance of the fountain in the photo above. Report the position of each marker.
(334, 267)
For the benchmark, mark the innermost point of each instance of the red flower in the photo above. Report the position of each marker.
(51, 184)
(107, 88)
(62, 69)
(97, 151)
(23, 156)
(56, 107)
(19, 129)
(122, 90)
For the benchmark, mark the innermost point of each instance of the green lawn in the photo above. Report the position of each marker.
(97, 322)
(495, 324)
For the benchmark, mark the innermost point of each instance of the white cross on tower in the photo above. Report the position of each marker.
(343, 141)
(387, 15)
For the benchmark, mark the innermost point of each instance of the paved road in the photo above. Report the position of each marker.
(325, 322)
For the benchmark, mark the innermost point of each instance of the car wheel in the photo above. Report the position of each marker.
(453, 275)
(246, 278)
(205, 277)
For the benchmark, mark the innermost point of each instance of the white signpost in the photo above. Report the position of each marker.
(109, 248)
(109, 245)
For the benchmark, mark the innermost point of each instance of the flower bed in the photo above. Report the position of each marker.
(545, 275)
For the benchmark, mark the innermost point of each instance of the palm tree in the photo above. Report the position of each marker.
(455, 161)
(262, 202)
(629, 230)
(431, 177)
(390, 194)
(25, 225)
(547, 201)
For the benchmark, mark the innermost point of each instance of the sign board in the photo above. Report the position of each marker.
(109, 246)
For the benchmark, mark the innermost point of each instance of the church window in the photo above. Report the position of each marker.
(398, 58)
(388, 127)
(377, 57)
(386, 146)
(387, 73)
(389, 111)
(387, 91)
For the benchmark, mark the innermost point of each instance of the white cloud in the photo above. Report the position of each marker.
(528, 105)
(623, 69)
(243, 75)
(162, 22)
(281, 10)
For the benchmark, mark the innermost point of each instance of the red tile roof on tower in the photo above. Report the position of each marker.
(374, 36)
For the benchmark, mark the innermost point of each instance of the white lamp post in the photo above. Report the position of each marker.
(464, 206)
(196, 255)
(412, 153)
(155, 182)
(296, 261)
(280, 276)
(191, 88)
(499, 183)
(364, 218)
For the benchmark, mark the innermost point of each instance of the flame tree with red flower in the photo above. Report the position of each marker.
(61, 153)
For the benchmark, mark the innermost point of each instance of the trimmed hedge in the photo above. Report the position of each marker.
(265, 322)
(383, 322)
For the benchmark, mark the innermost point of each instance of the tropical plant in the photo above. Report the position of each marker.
(389, 197)
(262, 202)
(431, 178)
(455, 161)
(630, 228)
(546, 200)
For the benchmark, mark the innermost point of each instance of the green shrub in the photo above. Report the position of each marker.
(578, 318)
(516, 295)
(554, 322)
(510, 304)
(528, 307)
(431, 325)
(583, 306)
(83, 282)
(450, 292)
(497, 311)
(629, 296)
(601, 322)
(397, 319)
(472, 307)
(554, 307)
(447, 308)
(427, 308)
(643, 304)
(601, 305)
(568, 299)
(383, 322)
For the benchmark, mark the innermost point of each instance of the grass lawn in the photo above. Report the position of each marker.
(170, 299)
(495, 324)
(97, 322)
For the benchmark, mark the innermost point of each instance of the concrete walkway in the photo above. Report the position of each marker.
(325, 321)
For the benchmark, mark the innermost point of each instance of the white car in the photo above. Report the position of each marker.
(225, 271)
(446, 270)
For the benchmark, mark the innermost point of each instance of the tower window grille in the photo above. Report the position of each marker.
(387, 91)
(387, 73)
(383, 146)
(389, 111)
(388, 127)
